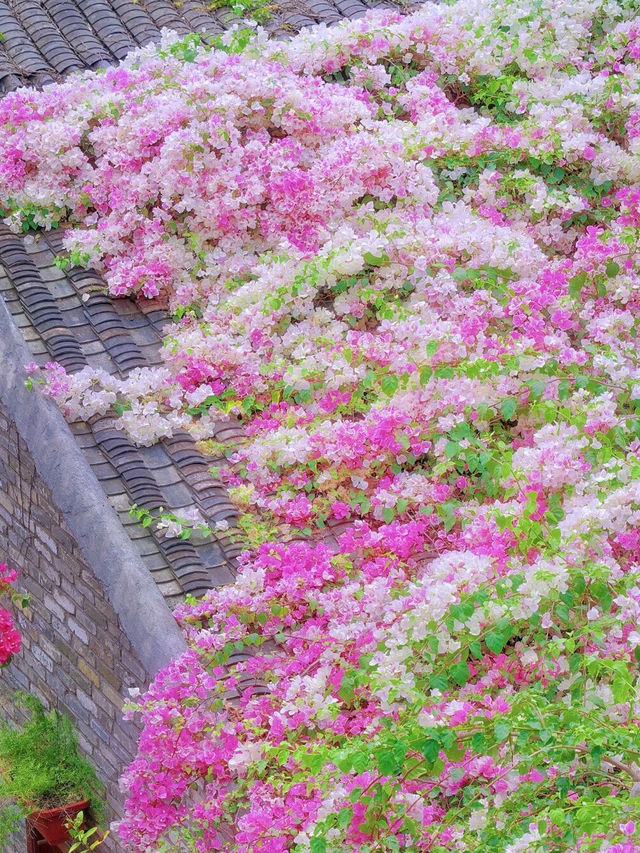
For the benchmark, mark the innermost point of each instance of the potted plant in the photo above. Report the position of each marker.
(42, 776)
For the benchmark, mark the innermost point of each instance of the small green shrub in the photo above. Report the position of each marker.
(40, 767)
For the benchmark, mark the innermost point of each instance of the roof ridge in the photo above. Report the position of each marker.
(111, 555)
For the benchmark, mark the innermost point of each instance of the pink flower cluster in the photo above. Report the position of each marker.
(9, 636)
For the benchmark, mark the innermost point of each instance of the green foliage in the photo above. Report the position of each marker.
(577, 762)
(258, 10)
(490, 94)
(83, 839)
(187, 48)
(40, 766)
(234, 43)
(75, 258)
(184, 528)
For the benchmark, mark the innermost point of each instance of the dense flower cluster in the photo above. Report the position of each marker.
(404, 254)
(9, 636)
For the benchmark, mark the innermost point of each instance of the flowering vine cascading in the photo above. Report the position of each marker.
(404, 253)
(9, 636)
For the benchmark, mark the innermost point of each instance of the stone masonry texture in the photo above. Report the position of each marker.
(75, 656)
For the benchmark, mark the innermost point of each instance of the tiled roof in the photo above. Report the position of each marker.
(47, 39)
(67, 316)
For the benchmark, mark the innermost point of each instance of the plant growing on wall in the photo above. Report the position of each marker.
(9, 636)
(42, 774)
(84, 839)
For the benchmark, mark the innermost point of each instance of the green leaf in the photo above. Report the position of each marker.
(596, 753)
(475, 649)
(389, 384)
(345, 816)
(478, 742)
(456, 752)
(612, 269)
(445, 371)
(430, 749)
(602, 594)
(360, 762)
(447, 738)
(557, 817)
(564, 389)
(577, 283)
(425, 375)
(579, 584)
(621, 689)
(318, 845)
(401, 505)
(451, 450)
(387, 762)
(495, 642)
(375, 260)
(404, 440)
(460, 673)
(462, 611)
(346, 691)
(536, 387)
(502, 730)
(508, 408)
(439, 682)
(575, 662)
(388, 514)
(248, 402)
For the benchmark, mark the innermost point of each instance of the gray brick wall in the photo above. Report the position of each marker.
(75, 656)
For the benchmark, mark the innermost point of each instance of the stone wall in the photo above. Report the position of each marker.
(75, 654)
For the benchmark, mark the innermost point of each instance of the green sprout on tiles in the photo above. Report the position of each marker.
(174, 526)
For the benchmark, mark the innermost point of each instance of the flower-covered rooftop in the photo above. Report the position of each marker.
(66, 316)
(44, 40)
(400, 262)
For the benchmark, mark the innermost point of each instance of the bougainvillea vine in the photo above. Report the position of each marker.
(9, 636)
(403, 254)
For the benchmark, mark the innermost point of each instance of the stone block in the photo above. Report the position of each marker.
(53, 607)
(65, 602)
(44, 537)
(89, 673)
(97, 728)
(78, 630)
(87, 702)
(42, 658)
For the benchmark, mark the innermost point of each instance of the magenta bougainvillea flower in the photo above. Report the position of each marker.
(9, 636)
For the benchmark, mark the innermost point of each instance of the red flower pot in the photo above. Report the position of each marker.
(50, 823)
